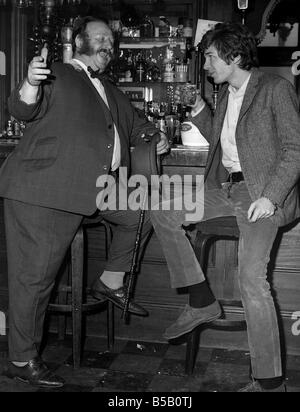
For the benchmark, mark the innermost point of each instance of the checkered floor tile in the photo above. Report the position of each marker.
(135, 366)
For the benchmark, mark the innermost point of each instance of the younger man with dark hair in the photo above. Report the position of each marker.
(251, 173)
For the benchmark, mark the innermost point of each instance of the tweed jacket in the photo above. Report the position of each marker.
(68, 142)
(268, 142)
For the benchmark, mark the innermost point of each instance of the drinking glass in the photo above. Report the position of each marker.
(188, 93)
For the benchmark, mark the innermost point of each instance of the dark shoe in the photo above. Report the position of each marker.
(35, 373)
(117, 296)
(191, 318)
(256, 387)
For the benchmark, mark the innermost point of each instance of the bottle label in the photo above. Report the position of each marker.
(169, 77)
(186, 127)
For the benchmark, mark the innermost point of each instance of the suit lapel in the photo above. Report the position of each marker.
(221, 112)
(219, 120)
(111, 102)
(250, 93)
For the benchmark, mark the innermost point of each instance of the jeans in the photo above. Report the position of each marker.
(256, 241)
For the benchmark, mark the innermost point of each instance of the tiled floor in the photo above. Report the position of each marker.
(145, 367)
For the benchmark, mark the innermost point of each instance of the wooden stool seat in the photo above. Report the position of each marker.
(76, 306)
(207, 231)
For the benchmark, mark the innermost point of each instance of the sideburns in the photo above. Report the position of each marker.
(85, 47)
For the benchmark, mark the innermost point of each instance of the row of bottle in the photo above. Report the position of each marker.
(13, 129)
(145, 67)
(184, 28)
(155, 27)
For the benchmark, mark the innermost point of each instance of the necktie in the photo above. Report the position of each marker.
(93, 73)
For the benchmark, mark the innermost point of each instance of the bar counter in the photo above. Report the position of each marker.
(164, 304)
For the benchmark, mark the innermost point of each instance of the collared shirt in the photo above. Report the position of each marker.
(230, 158)
(116, 158)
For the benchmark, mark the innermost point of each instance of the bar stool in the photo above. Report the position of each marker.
(76, 306)
(207, 231)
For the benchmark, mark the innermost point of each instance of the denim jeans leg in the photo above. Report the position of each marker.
(255, 245)
(168, 224)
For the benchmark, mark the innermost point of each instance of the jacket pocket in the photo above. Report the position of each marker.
(43, 154)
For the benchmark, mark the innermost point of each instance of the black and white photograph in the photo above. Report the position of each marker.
(149, 199)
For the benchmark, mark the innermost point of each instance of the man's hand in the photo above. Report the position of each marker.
(263, 208)
(163, 145)
(37, 70)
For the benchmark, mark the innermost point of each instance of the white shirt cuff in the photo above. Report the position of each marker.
(194, 114)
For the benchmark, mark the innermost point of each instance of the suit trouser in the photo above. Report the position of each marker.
(256, 241)
(37, 241)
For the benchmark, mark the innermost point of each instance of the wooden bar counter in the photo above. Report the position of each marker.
(164, 304)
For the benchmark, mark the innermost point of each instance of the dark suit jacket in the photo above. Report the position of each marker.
(68, 142)
(268, 142)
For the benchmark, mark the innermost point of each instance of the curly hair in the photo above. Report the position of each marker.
(232, 40)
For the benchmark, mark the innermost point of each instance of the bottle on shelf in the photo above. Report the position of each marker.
(129, 73)
(187, 30)
(164, 27)
(168, 74)
(177, 134)
(181, 71)
(155, 71)
(149, 111)
(147, 28)
(140, 70)
(17, 128)
(180, 27)
(9, 129)
(66, 38)
(161, 123)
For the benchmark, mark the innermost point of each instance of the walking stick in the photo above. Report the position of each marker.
(153, 165)
(132, 273)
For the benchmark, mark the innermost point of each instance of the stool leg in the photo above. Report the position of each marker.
(110, 325)
(108, 237)
(63, 300)
(193, 339)
(192, 347)
(200, 247)
(77, 290)
(110, 305)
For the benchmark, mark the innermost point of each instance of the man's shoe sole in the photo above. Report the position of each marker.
(36, 385)
(178, 335)
(99, 296)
